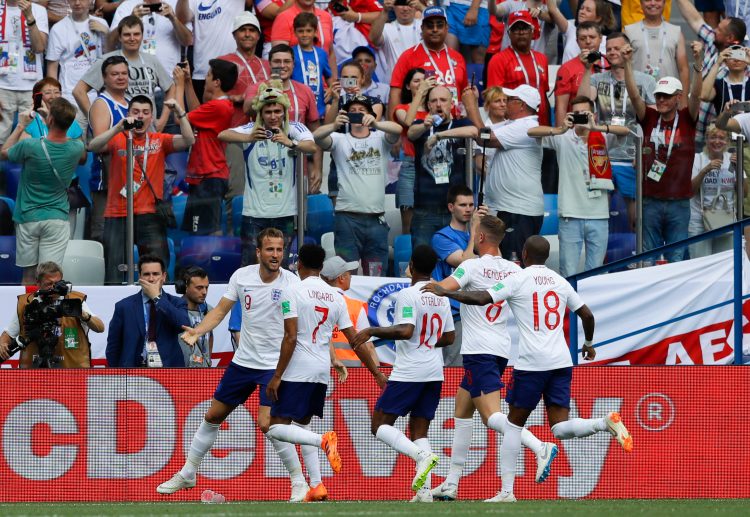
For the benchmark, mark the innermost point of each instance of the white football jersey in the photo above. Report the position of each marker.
(262, 324)
(417, 358)
(484, 328)
(318, 307)
(538, 297)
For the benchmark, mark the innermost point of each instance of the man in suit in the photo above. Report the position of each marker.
(145, 326)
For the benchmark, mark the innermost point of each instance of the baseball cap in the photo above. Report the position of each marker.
(360, 99)
(334, 267)
(245, 18)
(434, 11)
(523, 16)
(362, 48)
(668, 86)
(528, 94)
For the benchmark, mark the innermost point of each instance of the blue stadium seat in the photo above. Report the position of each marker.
(618, 214)
(206, 245)
(10, 202)
(237, 215)
(9, 272)
(177, 234)
(401, 253)
(83, 173)
(177, 162)
(12, 178)
(319, 215)
(551, 222)
(620, 246)
(219, 264)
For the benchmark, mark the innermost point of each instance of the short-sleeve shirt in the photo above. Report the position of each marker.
(318, 308)
(311, 68)
(38, 128)
(212, 21)
(446, 242)
(717, 181)
(159, 146)
(397, 39)
(569, 78)
(743, 119)
(146, 74)
(515, 181)
(283, 27)
(417, 358)
(507, 70)
(262, 325)
(207, 158)
(266, 24)
(249, 72)
(303, 107)
(14, 77)
(726, 91)
(407, 145)
(484, 328)
(440, 62)
(538, 297)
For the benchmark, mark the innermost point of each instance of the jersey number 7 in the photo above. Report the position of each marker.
(324, 312)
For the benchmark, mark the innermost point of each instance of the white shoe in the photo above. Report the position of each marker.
(544, 461)
(175, 483)
(502, 497)
(445, 492)
(423, 495)
(299, 491)
(424, 466)
(619, 431)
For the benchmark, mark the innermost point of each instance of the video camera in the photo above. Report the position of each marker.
(137, 124)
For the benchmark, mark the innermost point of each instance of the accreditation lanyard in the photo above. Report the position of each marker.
(144, 164)
(523, 68)
(25, 36)
(304, 68)
(661, 43)
(624, 94)
(249, 69)
(671, 137)
(294, 98)
(731, 93)
(437, 68)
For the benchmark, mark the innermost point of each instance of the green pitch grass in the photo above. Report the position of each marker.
(619, 508)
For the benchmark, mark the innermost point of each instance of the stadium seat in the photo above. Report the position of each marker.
(177, 162)
(327, 242)
(551, 222)
(620, 246)
(83, 269)
(83, 173)
(9, 272)
(219, 264)
(12, 178)
(80, 248)
(205, 245)
(237, 215)
(401, 253)
(393, 218)
(553, 261)
(177, 234)
(10, 202)
(618, 214)
(319, 216)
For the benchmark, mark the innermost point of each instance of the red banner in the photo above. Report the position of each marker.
(114, 435)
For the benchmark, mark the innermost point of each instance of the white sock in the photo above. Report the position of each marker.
(203, 440)
(312, 460)
(578, 428)
(459, 449)
(509, 455)
(294, 434)
(497, 422)
(398, 441)
(288, 455)
(424, 444)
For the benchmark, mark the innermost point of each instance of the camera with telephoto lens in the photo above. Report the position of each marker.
(137, 124)
(594, 56)
(41, 322)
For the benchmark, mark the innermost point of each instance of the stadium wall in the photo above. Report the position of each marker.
(114, 435)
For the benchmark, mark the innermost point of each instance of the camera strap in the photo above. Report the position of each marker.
(54, 170)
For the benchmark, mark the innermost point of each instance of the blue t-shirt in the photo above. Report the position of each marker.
(309, 65)
(445, 242)
(38, 129)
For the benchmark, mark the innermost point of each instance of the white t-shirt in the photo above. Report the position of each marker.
(515, 181)
(212, 21)
(538, 297)
(573, 191)
(262, 325)
(362, 165)
(158, 33)
(14, 327)
(571, 48)
(743, 119)
(13, 77)
(269, 173)
(484, 328)
(397, 39)
(75, 47)
(318, 308)
(417, 358)
(710, 186)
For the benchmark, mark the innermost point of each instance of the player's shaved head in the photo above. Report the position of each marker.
(493, 229)
(423, 260)
(536, 250)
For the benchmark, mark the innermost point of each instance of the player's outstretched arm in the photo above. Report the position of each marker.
(288, 344)
(210, 322)
(465, 297)
(364, 355)
(402, 331)
(446, 339)
(587, 321)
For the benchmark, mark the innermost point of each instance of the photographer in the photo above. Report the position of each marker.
(55, 324)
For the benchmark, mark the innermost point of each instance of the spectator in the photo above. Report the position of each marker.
(596, 11)
(445, 64)
(733, 87)
(734, 9)
(311, 67)
(632, 12)
(393, 38)
(56, 10)
(519, 64)
(149, 150)
(670, 134)
(44, 92)
(210, 39)
(658, 46)
(48, 166)
(513, 188)
(499, 37)
(145, 71)
(351, 24)
(361, 158)
(145, 326)
(613, 107)
(270, 199)
(74, 45)
(163, 32)
(68, 346)
(413, 97)
(468, 28)
(493, 113)
(438, 164)
(570, 74)
(24, 30)
(193, 286)
(370, 87)
(283, 27)
(583, 199)
(207, 171)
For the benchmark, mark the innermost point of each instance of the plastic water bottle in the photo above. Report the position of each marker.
(211, 497)
(661, 260)
(514, 259)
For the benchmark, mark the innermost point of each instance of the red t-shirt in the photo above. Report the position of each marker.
(497, 30)
(159, 145)
(301, 101)
(675, 183)
(569, 79)
(207, 158)
(416, 57)
(283, 27)
(363, 6)
(504, 70)
(262, 72)
(406, 144)
(266, 23)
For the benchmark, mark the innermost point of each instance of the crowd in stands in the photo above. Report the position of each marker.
(225, 102)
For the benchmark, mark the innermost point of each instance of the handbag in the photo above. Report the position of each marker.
(76, 198)
(715, 216)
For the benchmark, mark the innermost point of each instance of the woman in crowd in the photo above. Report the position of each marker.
(598, 11)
